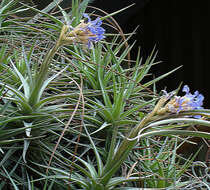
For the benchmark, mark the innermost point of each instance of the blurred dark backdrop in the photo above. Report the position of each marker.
(180, 31)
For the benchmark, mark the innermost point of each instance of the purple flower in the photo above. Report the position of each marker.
(94, 29)
(86, 32)
(190, 101)
(187, 102)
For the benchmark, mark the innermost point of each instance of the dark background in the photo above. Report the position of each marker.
(178, 28)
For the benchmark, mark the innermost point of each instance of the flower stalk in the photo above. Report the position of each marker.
(84, 33)
(163, 106)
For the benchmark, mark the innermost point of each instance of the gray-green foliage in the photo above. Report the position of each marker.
(81, 121)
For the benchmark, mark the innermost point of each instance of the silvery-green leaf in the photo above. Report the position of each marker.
(25, 148)
(1, 151)
(28, 129)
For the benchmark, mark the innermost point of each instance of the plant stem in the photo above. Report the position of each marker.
(127, 145)
(112, 146)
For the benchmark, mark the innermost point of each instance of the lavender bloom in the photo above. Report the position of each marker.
(94, 29)
(187, 102)
(85, 33)
(190, 101)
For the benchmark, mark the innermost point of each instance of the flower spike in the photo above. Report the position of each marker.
(183, 103)
(85, 33)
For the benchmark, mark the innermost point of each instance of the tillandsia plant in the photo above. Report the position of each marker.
(30, 101)
(83, 111)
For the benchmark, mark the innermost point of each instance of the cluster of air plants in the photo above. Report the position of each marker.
(77, 113)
